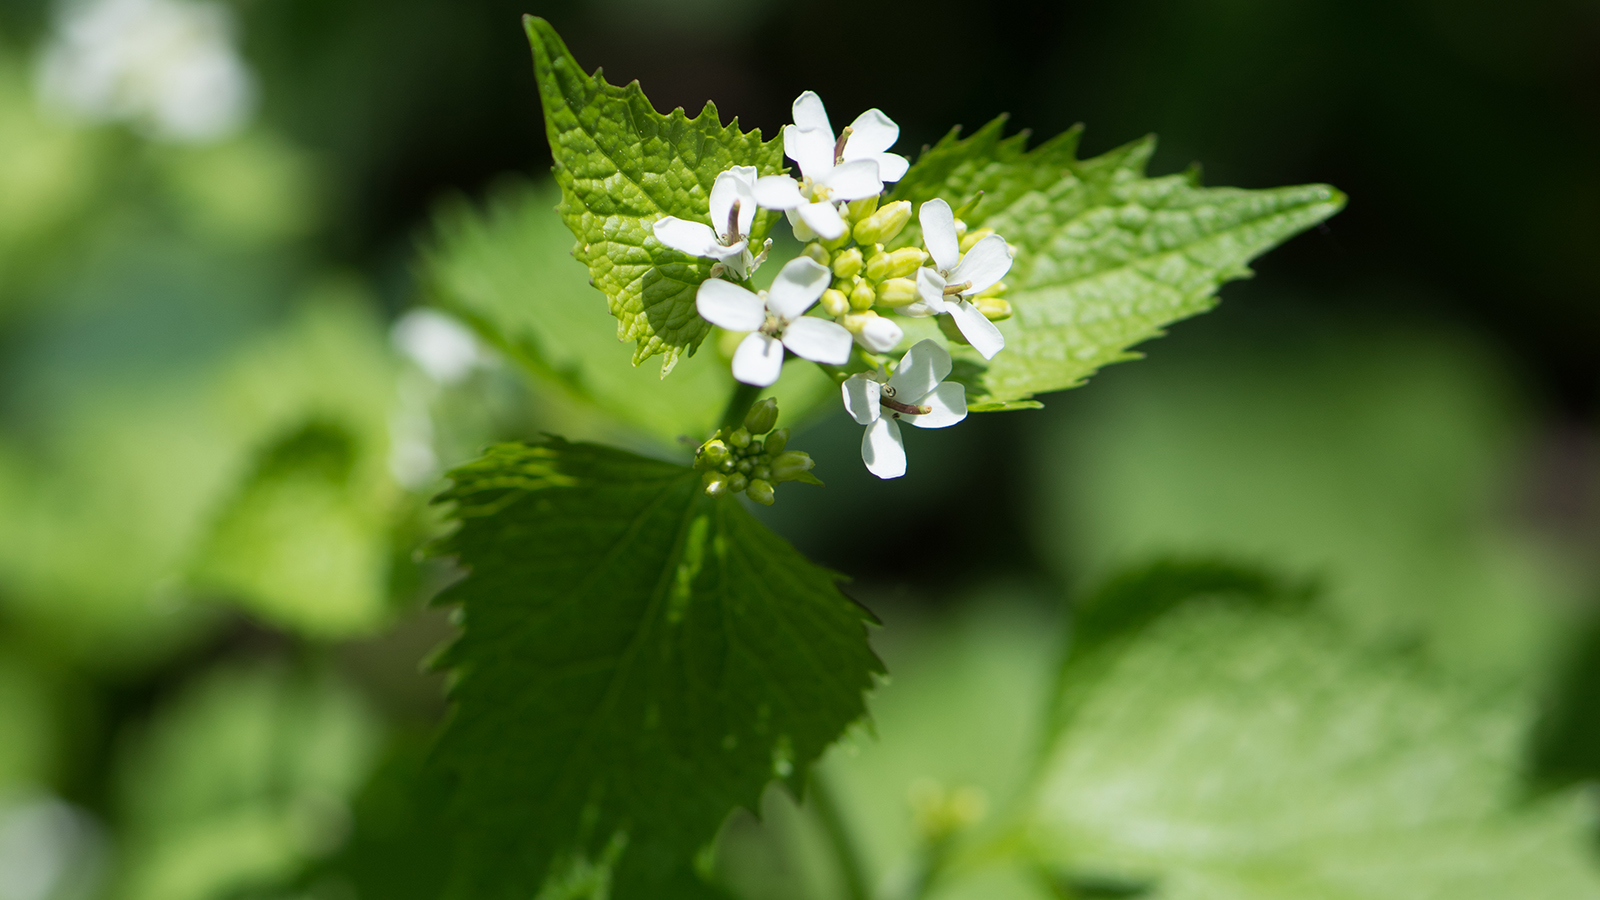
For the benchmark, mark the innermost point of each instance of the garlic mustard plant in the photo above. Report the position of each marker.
(732, 210)
(833, 169)
(956, 276)
(916, 394)
(775, 319)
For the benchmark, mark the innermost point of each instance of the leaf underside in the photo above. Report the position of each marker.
(1105, 256)
(622, 166)
(636, 660)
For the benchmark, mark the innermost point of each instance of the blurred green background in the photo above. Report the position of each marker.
(227, 392)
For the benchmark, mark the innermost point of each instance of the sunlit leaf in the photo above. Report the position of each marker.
(1105, 256)
(636, 660)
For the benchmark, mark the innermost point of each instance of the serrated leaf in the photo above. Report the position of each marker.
(622, 166)
(1105, 256)
(1226, 747)
(636, 660)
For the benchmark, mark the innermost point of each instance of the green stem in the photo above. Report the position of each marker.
(744, 396)
(838, 834)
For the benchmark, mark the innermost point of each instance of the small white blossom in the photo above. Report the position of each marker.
(776, 319)
(832, 169)
(168, 66)
(956, 276)
(916, 394)
(727, 238)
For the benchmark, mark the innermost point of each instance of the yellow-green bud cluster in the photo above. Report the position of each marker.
(739, 459)
(867, 276)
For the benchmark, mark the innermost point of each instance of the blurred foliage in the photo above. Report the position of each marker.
(238, 782)
(201, 417)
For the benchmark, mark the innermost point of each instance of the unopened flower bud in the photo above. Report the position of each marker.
(761, 492)
(961, 228)
(817, 252)
(834, 302)
(847, 264)
(884, 224)
(993, 308)
(739, 438)
(862, 296)
(714, 453)
(791, 465)
(897, 292)
(744, 465)
(838, 242)
(971, 238)
(860, 209)
(906, 261)
(760, 419)
(754, 451)
(737, 482)
(761, 472)
(993, 290)
(777, 440)
(716, 483)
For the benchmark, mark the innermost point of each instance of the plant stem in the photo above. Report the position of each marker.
(744, 396)
(838, 833)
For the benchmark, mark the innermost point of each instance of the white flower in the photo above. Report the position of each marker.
(776, 319)
(916, 394)
(955, 277)
(727, 238)
(849, 168)
(168, 66)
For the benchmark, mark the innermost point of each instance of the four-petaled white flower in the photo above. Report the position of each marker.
(916, 394)
(955, 277)
(727, 238)
(776, 319)
(853, 166)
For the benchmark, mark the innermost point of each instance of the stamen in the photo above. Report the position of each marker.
(906, 408)
(838, 147)
(951, 289)
(733, 223)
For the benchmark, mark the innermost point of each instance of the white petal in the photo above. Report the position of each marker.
(871, 133)
(917, 310)
(987, 262)
(930, 287)
(810, 113)
(731, 252)
(818, 340)
(732, 186)
(758, 360)
(778, 192)
(802, 231)
(883, 450)
(939, 234)
(920, 371)
(853, 180)
(949, 404)
(861, 396)
(891, 166)
(797, 288)
(823, 219)
(977, 329)
(811, 148)
(729, 306)
(880, 335)
(692, 238)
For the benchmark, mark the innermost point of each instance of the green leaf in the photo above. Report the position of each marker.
(1105, 256)
(1250, 750)
(506, 270)
(636, 660)
(622, 166)
(238, 785)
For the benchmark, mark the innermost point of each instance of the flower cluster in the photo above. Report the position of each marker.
(856, 272)
(737, 459)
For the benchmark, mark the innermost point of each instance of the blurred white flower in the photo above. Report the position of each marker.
(439, 344)
(48, 850)
(168, 67)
